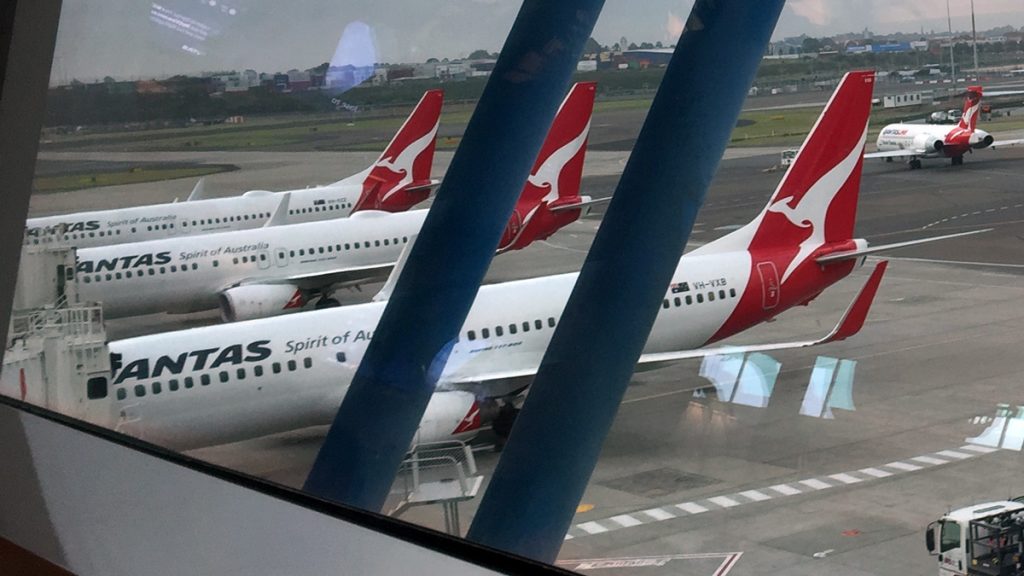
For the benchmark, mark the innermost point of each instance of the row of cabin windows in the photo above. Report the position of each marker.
(244, 259)
(76, 236)
(207, 221)
(174, 384)
(141, 272)
(320, 208)
(199, 222)
(168, 269)
(700, 298)
(512, 329)
(347, 246)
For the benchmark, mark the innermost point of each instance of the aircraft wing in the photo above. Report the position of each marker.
(895, 154)
(349, 276)
(849, 325)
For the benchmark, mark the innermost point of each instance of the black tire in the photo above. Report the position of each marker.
(327, 303)
(915, 164)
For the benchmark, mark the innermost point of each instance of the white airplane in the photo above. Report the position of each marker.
(277, 269)
(398, 180)
(916, 141)
(224, 383)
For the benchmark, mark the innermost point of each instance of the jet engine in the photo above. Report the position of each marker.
(449, 416)
(259, 301)
(981, 140)
(928, 143)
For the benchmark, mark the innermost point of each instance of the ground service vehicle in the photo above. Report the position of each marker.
(983, 540)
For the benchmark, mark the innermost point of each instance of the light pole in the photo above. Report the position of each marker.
(974, 39)
(952, 46)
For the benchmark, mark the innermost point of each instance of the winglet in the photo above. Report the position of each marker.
(853, 319)
(389, 285)
(198, 192)
(280, 215)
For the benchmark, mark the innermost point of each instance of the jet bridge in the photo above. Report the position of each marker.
(57, 355)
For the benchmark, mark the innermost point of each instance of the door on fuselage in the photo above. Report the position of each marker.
(769, 285)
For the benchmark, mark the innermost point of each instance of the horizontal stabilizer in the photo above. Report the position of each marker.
(389, 286)
(421, 185)
(850, 254)
(587, 202)
(851, 323)
(280, 215)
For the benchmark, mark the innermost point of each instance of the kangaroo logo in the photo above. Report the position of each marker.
(812, 207)
(401, 163)
(548, 173)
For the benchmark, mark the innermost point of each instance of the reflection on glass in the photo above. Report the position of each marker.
(1005, 431)
(831, 386)
(354, 59)
(739, 379)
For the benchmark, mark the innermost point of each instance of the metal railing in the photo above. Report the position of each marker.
(74, 321)
(437, 473)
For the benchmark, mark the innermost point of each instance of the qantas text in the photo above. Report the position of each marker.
(193, 361)
(124, 262)
(63, 228)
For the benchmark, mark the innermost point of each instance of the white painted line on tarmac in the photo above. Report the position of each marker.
(659, 514)
(691, 508)
(807, 486)
(929, 460)
(723, 501)
(906, 467)
(592, 528)
(625, 520)
(755, 495)
(785, 490)
(816, 484)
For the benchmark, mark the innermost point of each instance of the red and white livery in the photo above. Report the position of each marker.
(916, 141)
(264, 376)
(396, 181)
(281, 267)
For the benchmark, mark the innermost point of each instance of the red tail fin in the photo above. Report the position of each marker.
(555, 179)
(400, 178)
(816, 202)
(972, 105)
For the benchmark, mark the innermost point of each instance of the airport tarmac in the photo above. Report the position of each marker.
(833, 468)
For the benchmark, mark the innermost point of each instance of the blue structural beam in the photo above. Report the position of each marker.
(557, 437)
(386, 400)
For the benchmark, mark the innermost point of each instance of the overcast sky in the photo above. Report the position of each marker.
(134, 38)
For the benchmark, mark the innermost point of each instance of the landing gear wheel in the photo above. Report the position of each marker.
(502, 424)
(326, 302)
(888, 159)
(915, 164)
(957, 160)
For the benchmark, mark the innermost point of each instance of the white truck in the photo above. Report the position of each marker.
(981, 540)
